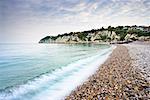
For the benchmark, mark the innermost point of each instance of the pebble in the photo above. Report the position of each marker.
(116, 79)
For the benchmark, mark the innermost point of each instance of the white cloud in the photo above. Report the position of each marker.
(38, 18)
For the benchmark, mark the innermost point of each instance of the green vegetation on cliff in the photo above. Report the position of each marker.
(82, 36)
(110, 34)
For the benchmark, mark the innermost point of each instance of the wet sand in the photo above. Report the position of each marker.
(116, 79)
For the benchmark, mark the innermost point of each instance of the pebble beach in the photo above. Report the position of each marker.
(123, 76)
(140, 55)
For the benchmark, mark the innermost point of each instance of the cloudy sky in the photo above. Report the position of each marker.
(30, 20)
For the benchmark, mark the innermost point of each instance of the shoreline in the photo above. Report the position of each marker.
(117, 79)
(59, 82)
(77, 43)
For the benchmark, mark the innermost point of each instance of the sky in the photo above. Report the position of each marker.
(27, 21)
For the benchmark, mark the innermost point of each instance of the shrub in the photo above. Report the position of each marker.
(103, 37)
(82, 36)
(122, 36)
(139, 32)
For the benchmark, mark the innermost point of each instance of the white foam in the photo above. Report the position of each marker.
(57, 85)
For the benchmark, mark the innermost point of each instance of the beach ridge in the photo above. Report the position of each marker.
(116, 79)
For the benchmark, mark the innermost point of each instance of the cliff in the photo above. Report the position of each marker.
(109, 35)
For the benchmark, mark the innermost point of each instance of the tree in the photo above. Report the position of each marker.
(109, 28)
(119, 27)
(102, 28)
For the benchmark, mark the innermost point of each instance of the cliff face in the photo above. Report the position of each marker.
(101, 36)
(112, 35)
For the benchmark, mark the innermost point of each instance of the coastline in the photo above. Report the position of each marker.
(108, 43)
(82, 62)
(117, 79)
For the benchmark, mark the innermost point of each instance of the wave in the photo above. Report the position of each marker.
(59, 83)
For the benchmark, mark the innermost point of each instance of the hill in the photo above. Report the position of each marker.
(109, 35)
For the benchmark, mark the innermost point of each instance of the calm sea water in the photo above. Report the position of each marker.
(46, 71)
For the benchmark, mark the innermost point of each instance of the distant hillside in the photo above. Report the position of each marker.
(109, 35)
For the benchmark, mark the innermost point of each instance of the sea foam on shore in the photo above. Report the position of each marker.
(60, 83)
(116, 79)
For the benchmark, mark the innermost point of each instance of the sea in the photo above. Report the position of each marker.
(47, 71)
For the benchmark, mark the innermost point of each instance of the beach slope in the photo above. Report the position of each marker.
(116, 79)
